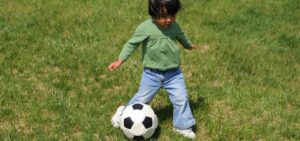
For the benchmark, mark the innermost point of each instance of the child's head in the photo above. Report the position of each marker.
(164, 11)
(163, 8)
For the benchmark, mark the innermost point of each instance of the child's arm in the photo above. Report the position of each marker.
(138, 37)
(183, 40)
(127, 50)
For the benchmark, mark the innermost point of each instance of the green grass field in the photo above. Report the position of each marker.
(243, 80)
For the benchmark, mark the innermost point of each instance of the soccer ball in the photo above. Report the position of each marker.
(138, 121)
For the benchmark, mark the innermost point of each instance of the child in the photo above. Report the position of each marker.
(160, 58)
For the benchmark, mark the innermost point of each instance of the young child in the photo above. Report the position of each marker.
(160, 58)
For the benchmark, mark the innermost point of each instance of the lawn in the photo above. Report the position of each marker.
(243, 80)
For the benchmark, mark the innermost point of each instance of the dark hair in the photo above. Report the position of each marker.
(160, 8)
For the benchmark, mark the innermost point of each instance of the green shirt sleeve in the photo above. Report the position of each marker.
(137, 38)
(182, 39)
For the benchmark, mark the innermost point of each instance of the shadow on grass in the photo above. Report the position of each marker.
(166, 113)
(156, 133)
(199, 103)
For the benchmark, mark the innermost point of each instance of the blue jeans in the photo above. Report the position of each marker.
(173, 82)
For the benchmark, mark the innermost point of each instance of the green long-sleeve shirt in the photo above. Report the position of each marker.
(159, 46)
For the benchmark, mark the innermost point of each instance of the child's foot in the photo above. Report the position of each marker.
(186, 132)
(115, 120)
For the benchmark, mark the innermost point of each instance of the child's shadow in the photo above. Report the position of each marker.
(166, 112)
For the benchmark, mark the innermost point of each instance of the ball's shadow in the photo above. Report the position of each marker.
(166, 113)
(156, 133)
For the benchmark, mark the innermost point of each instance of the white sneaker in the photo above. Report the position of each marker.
(115, 120)
(186, 132)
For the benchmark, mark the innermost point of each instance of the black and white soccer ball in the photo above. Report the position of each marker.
(138, 121)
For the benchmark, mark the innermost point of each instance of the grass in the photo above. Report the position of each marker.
(243, 80)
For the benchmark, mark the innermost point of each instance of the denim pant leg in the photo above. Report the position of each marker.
(175, 85)
(149, 85)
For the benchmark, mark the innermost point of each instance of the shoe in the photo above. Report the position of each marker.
(186, 132)
(115, 120)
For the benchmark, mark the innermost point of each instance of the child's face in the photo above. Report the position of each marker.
(165, 21)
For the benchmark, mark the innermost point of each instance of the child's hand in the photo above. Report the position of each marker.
(192, 47)
(115, 65)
